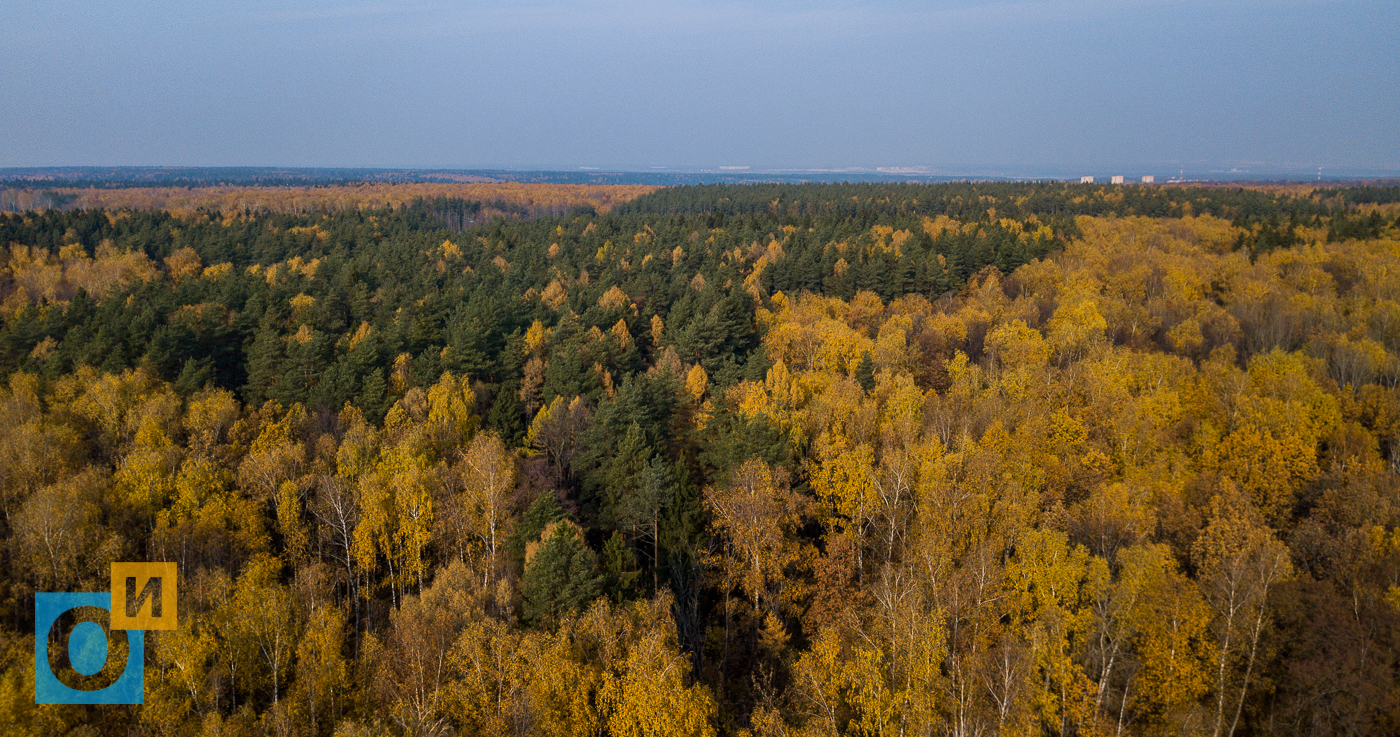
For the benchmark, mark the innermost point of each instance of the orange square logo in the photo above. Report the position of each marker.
(143, 596)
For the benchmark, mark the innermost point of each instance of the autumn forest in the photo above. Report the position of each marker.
(962, 459)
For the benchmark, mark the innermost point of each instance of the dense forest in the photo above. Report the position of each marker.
(859, 459)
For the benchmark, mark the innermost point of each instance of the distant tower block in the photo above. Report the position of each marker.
(1149, 179)
(1116, 180)
(1086, 180)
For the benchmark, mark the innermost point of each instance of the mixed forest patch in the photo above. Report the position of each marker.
(480, 201)
(769, 459)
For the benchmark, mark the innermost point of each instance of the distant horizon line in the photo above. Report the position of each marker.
(891, 169)
(1162, 171)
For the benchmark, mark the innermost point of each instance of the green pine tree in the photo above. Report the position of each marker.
(561, 577)
(865, 373)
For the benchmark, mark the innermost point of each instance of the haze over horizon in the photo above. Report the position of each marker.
(772, 85)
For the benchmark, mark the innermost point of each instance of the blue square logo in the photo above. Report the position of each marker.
(87, 651)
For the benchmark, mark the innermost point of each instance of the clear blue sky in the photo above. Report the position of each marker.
(635, 84)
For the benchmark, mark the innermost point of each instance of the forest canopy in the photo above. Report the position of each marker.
(956, 459)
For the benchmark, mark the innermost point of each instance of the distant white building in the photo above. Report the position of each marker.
(1149, 179)
(1116, 180)
(1086, 180)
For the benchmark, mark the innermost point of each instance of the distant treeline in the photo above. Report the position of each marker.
(491, 199)
(1012, 199)
(97, 177)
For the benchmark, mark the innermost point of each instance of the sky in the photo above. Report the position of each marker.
(636, 84)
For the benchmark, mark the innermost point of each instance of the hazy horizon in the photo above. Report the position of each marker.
(202, 176)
